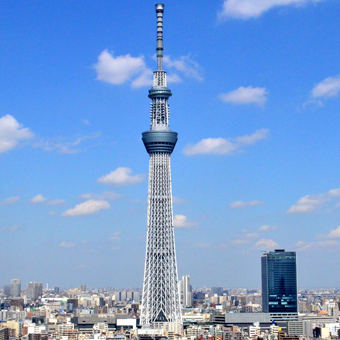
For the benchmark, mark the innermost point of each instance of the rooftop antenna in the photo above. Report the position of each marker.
(159, 48)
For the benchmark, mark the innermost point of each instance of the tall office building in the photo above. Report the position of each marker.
(15, 288)
(7, 290)
(160, 301)
(279, 284)
(185, 293)
(34, 290)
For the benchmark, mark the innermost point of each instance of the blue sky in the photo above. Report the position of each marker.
(255, 102)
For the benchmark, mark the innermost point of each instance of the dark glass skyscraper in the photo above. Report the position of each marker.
(279, 282)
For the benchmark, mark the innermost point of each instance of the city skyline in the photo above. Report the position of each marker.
(256, 108)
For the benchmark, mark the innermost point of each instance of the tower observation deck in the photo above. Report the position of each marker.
(160, 301)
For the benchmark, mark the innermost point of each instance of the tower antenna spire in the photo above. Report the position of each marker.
(159, 48)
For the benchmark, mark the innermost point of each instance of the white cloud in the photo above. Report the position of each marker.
(67, 245)
(87, 208)
(10, 200)
(55, 202)
(329, 243)
(268, 228)
(64, 145)
(181, 221)
(246, 9)
(252, 235)
(266, 243)
(241, 204)
(225, 146)
(177, 200)
(144, 79)
(85, 122)
(38, 199)
(115, 238)
(246, 95)
(12, 132)
(311, 203)
(121, 69)
(120, 177)
(329, 87)
(335, 233)
(107, 195)
(188, 67)
(308, 203)
(300, 243)
(334, 192)
(305, 246)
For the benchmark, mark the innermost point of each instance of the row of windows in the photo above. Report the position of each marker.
(166, 143)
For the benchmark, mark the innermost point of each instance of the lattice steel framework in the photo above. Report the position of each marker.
(160, 301)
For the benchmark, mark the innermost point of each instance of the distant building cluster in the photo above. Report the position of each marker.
(276, 312)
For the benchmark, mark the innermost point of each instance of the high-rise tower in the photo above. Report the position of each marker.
(279, 284)
(160, 302)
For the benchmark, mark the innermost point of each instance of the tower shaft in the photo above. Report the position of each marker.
(160, 302)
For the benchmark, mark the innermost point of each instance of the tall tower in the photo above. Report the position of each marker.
(160, 302)
(279, 284)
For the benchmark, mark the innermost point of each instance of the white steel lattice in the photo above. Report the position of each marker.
(160, 293)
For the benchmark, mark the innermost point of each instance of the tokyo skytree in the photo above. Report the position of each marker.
(160, 302)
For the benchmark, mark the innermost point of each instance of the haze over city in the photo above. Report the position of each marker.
(255, 102)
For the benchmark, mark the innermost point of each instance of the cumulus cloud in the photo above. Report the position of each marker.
(329, 243)
(252, 235)
(67, 245)
(12, 133)
(181, 221)
(311, 203)
(241, 204)
(121, 176)
(307, 203)
(38, 199)
(246, 95)
(326, 89)
(300, 243)
(185, 65)
(329, 87)
(319, 244)
(246, 9)
(266, 243)
(65, 145)
(127, 69)
(107, 195)
(10, 200)
(268, 228)
(225, 146)
(87, 208)
(144, 79)
(335, 233)
(121, 69)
